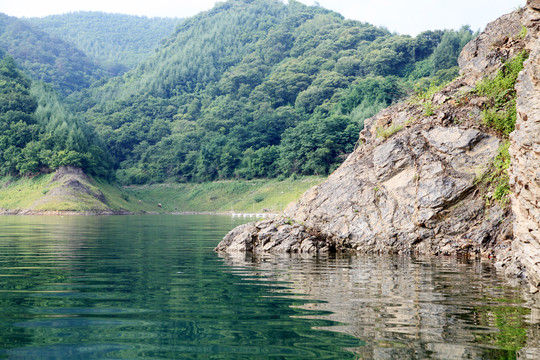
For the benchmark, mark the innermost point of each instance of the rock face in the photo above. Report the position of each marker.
(534, 4)
(414, 191)
(525, 170)
(275, 236)
(482, 56)
(419, 189)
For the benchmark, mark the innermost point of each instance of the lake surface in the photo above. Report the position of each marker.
(151, 287)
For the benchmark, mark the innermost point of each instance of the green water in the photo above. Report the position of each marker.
(151, 287)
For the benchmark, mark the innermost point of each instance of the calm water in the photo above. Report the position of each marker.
(150, 287)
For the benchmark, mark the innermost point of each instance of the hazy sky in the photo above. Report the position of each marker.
(402, 16)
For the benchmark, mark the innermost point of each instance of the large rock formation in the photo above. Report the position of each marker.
(414, 182)
(525, 152)
(414, 191)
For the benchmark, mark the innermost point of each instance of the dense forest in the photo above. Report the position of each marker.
(47, 58)
(117, 42)
(257, 88)
(37, 133)
(249, 89)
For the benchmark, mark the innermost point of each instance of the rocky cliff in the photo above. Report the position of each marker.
(416, 181)
(525, 152)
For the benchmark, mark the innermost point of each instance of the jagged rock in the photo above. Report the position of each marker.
(274, 236)
(417, 190)
(534, 4)
(411, 192)
(524, 171)
(483, 56)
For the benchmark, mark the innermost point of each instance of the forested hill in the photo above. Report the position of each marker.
(47, 58)
(116, 41)
(257, 88)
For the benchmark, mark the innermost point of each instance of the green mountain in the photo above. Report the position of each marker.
(258, 88)
(118, 42)
(47, 58)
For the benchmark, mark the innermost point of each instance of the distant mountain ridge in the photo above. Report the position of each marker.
(47, 58)
(116, 41)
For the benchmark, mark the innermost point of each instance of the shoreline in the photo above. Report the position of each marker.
(28, 212)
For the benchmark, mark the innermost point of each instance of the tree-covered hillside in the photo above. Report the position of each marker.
(37, 134)
(116, 41)
(47, 58)
(257, 88)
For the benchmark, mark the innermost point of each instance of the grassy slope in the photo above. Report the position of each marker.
(21, 193)
(29, 193)
(224, 196)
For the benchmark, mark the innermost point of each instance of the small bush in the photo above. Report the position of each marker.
(424, 95)
(424, 92)
(386, 132)
(258, 198)
(497, 179)
(522, 34)
(429, 108)
(500, 112)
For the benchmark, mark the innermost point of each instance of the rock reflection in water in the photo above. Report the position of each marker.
(403, 307)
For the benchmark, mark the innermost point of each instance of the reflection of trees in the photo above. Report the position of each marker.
(411, 308)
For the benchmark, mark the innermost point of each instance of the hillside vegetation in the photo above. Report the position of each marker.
(257, 88)
(38, 134)
(250, 89)
(116, 41)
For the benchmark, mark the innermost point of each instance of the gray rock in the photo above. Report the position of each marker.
(524, 170)
(482, 56)
(534, 4)
(273, 236)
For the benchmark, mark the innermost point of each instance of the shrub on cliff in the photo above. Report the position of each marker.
(500, 111)
(500, 114)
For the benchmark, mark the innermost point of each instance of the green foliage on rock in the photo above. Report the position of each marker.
(496, 181)
(500, 114)
(500, 111)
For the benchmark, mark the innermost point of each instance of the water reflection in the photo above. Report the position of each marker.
(143, 287)
(411, 308)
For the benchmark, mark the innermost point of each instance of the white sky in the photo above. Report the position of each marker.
(402, 16)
